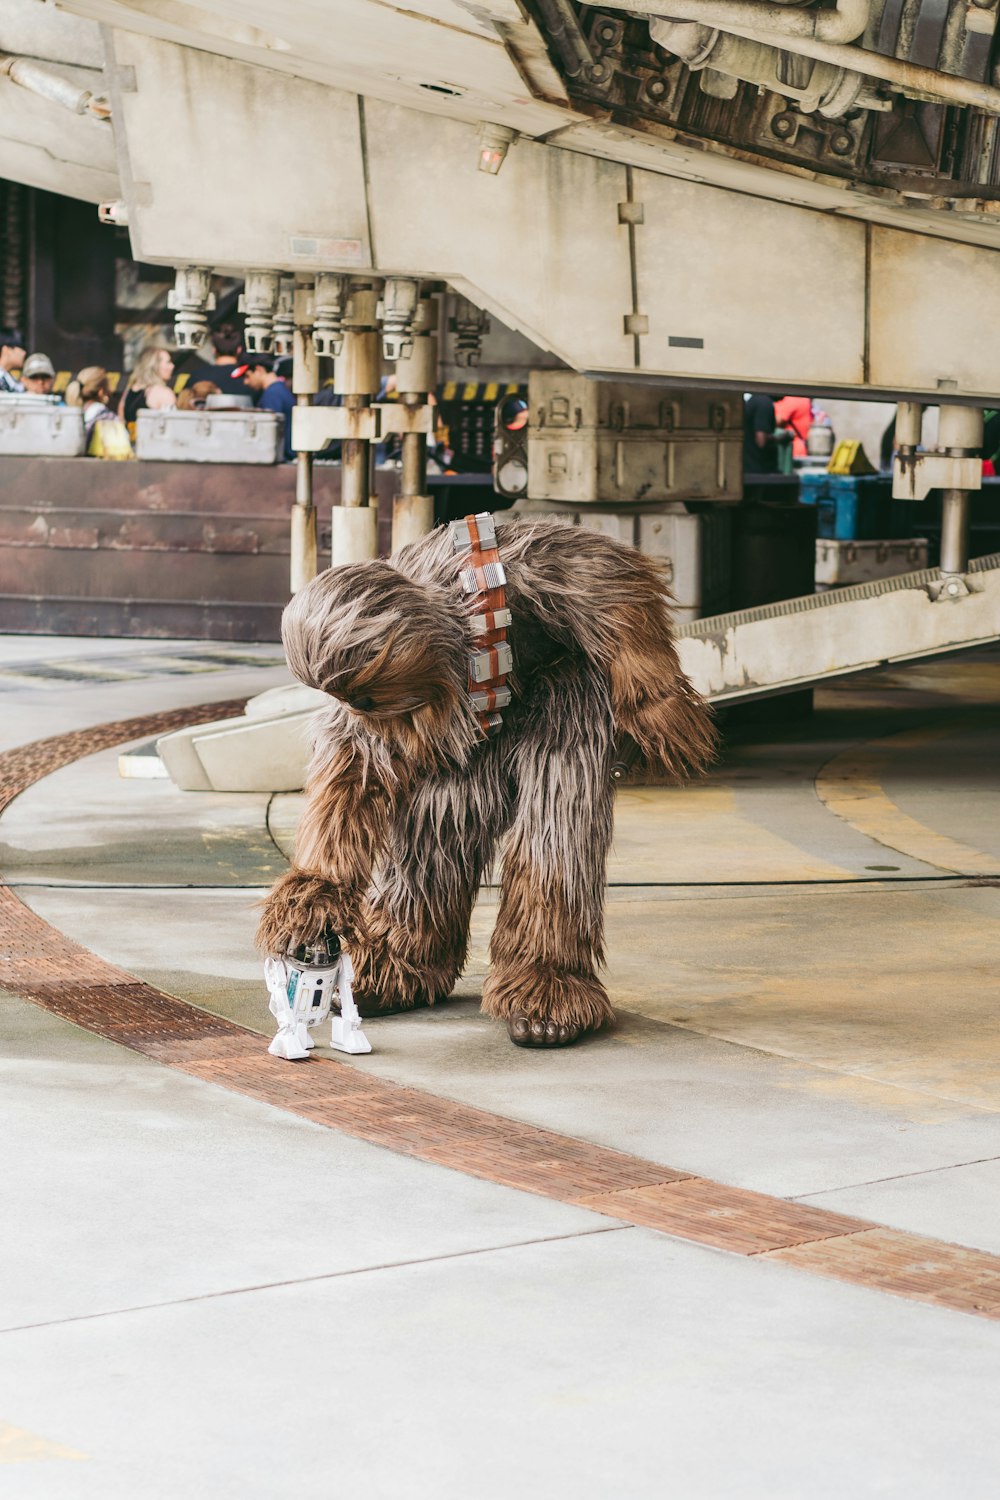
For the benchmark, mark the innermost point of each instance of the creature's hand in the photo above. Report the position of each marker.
(299, 909)
(672, 730)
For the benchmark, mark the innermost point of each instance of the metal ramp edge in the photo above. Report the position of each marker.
(776, 648)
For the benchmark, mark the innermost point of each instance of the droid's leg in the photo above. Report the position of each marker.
(416, 925)
(549, 935)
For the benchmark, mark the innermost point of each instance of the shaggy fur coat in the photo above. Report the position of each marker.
(407, 805)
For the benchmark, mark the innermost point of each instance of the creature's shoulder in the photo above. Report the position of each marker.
(557, 548)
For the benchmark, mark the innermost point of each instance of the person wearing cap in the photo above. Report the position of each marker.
(261, 377)
(38, 375)
(11, 359)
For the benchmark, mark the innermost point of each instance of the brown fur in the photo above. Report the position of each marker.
(405, 809)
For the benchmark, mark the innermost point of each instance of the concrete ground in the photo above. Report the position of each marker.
(205, 1292)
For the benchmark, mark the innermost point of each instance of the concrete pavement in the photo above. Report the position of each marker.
(822, 1039)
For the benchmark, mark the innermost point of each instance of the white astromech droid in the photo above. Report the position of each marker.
(303, 987)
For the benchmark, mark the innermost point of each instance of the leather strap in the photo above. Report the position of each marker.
(483, 581)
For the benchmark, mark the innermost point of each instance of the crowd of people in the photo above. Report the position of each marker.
(110, 411)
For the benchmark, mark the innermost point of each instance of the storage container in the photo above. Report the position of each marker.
(217, 437)
(840, 563)
(853, 507)
(601, 441)
(40, 427)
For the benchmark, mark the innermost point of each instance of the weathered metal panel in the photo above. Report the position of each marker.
(733, 285)
(157, 549)
(933, 308)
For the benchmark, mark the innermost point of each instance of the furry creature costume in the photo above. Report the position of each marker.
(407, 802)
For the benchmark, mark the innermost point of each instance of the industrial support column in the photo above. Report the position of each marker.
(416, 378)
(960, 435)
(357, 370)
(305, 384)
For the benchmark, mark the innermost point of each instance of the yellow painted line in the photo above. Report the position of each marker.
(850, 785)
(448, 394)
(176, 664)
(17, 1446)
(470, 392)
(701, 833)
(91, 669)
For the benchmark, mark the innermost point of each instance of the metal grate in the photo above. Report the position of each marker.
(714, 625)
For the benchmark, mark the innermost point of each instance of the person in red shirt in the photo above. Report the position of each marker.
(795, 413)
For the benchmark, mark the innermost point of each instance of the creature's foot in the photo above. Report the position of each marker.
(539, 1033)
(546, 1007)
(389, 977)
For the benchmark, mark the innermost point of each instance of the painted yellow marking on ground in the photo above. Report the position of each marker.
(79, 667)
(155, 663)
(842, 978)
(665, 834)
(20, 1447)
(850, 785)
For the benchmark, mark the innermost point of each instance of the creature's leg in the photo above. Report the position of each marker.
(417, 921)
(341, 832)
(549, 935)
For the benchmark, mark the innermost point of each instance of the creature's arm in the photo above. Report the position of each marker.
(342, 829)
(612, 603)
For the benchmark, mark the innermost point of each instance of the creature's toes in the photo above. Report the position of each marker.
(537, 1033)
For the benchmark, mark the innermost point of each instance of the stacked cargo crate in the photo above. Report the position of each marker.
(861, 532)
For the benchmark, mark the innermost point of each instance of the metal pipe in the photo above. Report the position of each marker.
(832, 91)
(909, 421)
(413, 475)
(763, 20)
(960, 429)
(416, 377)
(305, 383)
(356, 375)
(960, 434)
(304, 546)
(354, 461)
(954, 531)
(907, 77)
(49, 84)
(563, 30)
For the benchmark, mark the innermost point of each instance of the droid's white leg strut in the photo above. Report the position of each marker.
(346, 1034)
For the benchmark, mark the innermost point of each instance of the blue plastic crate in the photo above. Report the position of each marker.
(854, 507)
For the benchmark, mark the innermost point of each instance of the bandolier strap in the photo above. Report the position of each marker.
(483, 581)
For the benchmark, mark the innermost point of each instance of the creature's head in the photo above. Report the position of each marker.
(386, 647)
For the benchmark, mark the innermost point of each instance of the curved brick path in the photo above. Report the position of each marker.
(38, 963)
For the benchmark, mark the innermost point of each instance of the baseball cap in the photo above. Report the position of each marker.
(250, 362)
(38, 365)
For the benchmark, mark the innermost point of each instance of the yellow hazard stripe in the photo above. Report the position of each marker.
(489, 391)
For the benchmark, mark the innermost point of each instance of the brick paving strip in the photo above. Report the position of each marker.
(38, 963)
